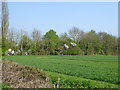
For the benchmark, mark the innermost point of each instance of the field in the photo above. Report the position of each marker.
(75, 71)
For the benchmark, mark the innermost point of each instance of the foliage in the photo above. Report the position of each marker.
(74, 50)
(4, 46)
(87, 43)
(51, 42)
(25, 43)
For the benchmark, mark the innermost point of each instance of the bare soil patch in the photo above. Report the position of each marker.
(22, 76)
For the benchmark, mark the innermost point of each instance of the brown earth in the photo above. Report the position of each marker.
(21, 76)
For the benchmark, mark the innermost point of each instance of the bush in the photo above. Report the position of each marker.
(74, 51)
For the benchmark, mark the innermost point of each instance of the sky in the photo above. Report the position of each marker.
(62, 16)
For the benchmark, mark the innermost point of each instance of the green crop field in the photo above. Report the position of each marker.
(77, 71)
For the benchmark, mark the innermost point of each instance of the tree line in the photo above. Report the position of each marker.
(86, 43)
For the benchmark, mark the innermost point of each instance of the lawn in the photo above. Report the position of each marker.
(97, 68)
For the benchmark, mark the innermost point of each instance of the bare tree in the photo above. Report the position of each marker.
(22, 33)
(75, 33)
(36, 35)
(11, 38)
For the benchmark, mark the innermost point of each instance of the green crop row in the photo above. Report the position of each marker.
(66, 81)
(5, 85)
(100, 68)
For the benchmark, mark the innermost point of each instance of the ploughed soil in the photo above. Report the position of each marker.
(22, 76)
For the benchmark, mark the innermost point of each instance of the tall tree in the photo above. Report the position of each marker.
(22, 34)
(119, 46)
(75, 33)
(4, 25)
(109, 43)
(36, 35)
(51, 41)
(11, 39)
(63, 36)
(93, 43)
(37, 42)
(26, 42)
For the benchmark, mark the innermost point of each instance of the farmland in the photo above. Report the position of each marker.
(85, 71)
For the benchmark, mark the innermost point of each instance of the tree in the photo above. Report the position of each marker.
(93, 43)
(109, 43)
(63, 36)
(0, 46)
(25, 43)
(11, 39)
(118, 46)
(4, 25)
(73, 49)
(37, 45)
(51, 42)
(36, 35)
(75, 33)
(63, 39)
(22, 41)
